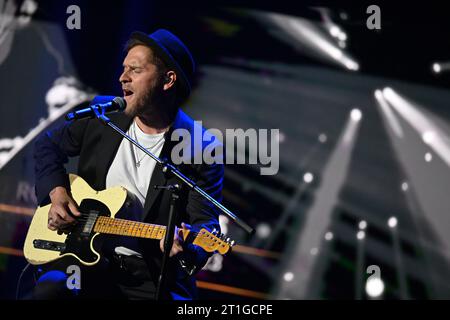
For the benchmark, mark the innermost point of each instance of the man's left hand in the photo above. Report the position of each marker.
(178, 241)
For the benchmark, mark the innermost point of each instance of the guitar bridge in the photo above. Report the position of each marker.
(49, 245)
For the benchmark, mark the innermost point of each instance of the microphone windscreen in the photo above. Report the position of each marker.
(121, 102)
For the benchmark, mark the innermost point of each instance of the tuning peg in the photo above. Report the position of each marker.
(214, 230)
(232, 243)
(228, 240)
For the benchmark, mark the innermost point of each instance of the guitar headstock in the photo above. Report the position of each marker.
(213, 241)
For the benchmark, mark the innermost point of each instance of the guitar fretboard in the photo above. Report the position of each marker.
(129, 228)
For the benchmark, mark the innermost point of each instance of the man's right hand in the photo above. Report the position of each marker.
(62, 210)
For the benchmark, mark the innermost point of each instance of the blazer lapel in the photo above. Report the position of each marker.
(158, 178)
(108, 146)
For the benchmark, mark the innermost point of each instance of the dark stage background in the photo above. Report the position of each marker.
(364, 126)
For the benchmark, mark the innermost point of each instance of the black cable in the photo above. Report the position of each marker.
(20, 279)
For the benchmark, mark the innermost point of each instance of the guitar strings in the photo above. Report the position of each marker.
(125, 224)
(119, 223)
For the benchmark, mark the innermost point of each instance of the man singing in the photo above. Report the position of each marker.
(156, 80)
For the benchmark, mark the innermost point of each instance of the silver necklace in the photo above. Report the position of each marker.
(138, 163)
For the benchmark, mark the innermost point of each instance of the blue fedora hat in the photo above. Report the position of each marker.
(174, 53)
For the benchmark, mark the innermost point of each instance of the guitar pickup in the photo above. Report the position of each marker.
(49, 245)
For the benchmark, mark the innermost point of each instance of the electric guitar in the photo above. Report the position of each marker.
(98, 210)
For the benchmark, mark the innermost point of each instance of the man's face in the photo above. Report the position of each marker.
(139, 80)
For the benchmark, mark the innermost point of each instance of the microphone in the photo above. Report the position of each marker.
(104, 104)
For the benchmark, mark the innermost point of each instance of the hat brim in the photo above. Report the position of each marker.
(160, 50)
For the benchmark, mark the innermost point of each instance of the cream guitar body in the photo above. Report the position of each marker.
(99, 209)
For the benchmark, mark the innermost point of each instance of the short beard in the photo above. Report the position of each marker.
(154, 108)
(146, 104)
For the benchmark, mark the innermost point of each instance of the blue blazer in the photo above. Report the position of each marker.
(96, 146)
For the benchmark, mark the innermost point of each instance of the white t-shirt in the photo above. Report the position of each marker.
(133, 169)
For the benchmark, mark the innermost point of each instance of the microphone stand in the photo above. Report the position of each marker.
(168, 240)
(169, 168)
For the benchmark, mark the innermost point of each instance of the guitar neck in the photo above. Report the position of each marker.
(129, 228)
